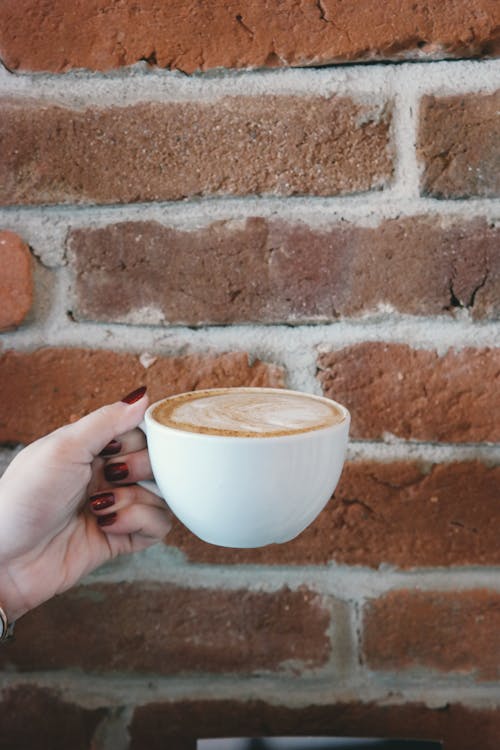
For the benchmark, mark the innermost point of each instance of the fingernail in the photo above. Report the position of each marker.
(116, 472)
(107, 520)
(135, 395)
(102, 501)
(112, 448)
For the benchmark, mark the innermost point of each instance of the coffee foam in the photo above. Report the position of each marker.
(249, 413)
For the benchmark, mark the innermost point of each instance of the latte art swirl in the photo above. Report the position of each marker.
(247, 412)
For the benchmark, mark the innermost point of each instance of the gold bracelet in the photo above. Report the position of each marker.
(6, 627)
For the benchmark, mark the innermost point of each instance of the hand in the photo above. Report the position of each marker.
(50, 534)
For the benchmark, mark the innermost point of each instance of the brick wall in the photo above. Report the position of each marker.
(303, 222)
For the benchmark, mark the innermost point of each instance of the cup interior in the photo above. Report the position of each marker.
(342, 410)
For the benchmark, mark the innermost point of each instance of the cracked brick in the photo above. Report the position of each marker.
(400, 513)
(272, 271)
(416, 394)
(191, 36)
(459, 145)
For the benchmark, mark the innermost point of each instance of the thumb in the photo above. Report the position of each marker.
(95, 430)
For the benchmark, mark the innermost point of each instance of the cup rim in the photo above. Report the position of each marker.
(149, 419)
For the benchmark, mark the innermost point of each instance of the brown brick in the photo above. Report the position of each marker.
(162, 725)
(415, 394)
(403, 514)
(455, 631)
(459, 145)
(280, 145)
(35, 718)
(16, 280)
(52, 386)
(166, 630)
(272, 271)
(191, 36)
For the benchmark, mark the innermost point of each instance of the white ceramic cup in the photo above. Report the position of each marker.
(237, 491)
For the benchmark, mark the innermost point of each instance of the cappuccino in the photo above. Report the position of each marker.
(247, 412)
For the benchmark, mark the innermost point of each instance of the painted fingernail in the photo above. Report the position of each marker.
(102, 501)
(135, 395)
(116, 472)
(112, 448)
(107, 520)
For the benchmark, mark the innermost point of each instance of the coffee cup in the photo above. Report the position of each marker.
(246, 467)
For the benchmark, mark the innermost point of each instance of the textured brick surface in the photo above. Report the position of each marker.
(191, 35)
(161, 725)
(459, 145)
(169, 630)
(235, 146)
(16, 280)
(416, 394)
(400, 513)
(272, 271)
(456, 631)
(52, 386)
(35, 718)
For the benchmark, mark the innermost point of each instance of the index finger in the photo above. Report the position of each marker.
(129, 442)
(98, 428)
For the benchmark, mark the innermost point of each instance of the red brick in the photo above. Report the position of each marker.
(404, 514)
(272, 271)
(35, 718)
(191, 36)
(280, 145)
(52, 386)
(415, 394)
(170, 724)
(169, 630)
(447, 631)
(459, 145)
(16, 280)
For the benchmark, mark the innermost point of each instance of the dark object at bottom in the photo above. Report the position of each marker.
(315, 743)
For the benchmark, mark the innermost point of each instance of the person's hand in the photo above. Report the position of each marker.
(68, 503)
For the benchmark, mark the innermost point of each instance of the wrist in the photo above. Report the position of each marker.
(6, 627)
(11, 601)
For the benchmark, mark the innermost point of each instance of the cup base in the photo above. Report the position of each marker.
(245, 544)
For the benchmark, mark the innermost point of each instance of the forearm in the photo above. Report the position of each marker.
(11, 598)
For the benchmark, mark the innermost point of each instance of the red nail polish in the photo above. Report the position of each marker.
(116, 472)
(111, 449)
(102, 501)
(107, 520)
(135, 395)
